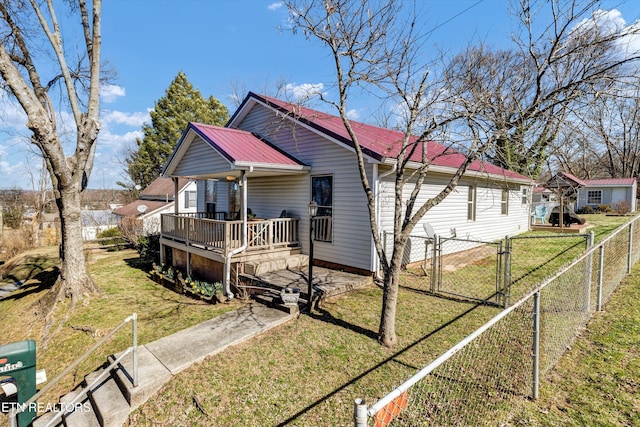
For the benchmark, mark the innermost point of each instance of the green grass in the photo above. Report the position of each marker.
(596, 382)
(305, 373)
(309, 371)
(126, 289)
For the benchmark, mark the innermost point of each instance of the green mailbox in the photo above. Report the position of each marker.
(18, 360)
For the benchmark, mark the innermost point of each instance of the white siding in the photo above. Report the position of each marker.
(201, 159)
(450, 216)
(191, 186)
(267, 197)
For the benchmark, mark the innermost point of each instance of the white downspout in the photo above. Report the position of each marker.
(243, 246)
(377, 198)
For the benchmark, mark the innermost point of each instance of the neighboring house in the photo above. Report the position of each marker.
(617, 193)
(274, 158)
(157, 199)
(95, 221)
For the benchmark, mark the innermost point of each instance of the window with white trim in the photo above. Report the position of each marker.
(504, 204)
(471, 203)
(594, 197)
(190, 199)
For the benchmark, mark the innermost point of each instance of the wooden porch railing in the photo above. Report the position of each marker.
(322, 228)
(225, 236)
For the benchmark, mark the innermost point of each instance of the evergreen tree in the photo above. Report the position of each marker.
(180, 105)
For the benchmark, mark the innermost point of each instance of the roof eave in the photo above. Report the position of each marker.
(241, 165)
(469, 173)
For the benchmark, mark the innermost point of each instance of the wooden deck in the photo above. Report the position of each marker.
(223, 237)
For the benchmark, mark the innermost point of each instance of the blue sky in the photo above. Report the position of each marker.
(222, 44)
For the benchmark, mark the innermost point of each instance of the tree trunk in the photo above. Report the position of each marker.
(387, 331)
(74, 276)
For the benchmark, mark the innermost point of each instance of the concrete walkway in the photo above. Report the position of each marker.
(115, 397)
(159, 360)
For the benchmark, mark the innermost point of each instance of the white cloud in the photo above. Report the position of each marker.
(275, 6)
(13, 174)
(109, 93)
(304, 90)
(13, 115)
(353, 114)
(611, 22)
(136, 119)
(117, 141)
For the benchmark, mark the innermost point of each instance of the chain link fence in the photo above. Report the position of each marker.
(490, 272)
(469, 269)
(480, 380)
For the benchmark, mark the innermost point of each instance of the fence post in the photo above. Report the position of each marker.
(536, 344)
(507, 271)
(499, 285)
(630, 249)
(600, 277)
(360, 413)
(134, 333)
(435, 266)
(588, 271)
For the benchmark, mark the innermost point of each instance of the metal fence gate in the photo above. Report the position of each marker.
(469, 269)
(490, 272)
(464, 268)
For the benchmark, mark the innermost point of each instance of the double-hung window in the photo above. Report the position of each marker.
(504, 204)
(190, 199)
(594, 197)
(471, 203)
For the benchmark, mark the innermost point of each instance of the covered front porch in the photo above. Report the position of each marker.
(223, 240)
(225, 236)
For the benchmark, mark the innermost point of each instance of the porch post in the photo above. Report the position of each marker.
(176, 208)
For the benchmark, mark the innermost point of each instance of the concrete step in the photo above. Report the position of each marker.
(83, 416)
(273, 300)
(256, 268)
(44, 419)
(152, 375)
(79, 414)
(110, 405)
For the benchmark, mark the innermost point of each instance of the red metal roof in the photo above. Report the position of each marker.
(610, 181)
(377, 142)
(241, 146)
(160, 188)
(131, 209)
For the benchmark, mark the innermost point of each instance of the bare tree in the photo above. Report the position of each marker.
(567, 52)
(373, 49)
(34, 61)
(40, 196)
(376, 48)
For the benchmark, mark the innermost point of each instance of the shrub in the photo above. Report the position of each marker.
(621, 207)
(149, 247)
(585, 210)
(109, 232)
(16, 241)
(603, 208)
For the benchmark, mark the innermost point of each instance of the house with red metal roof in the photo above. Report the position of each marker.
(257, 176)
(617, 193)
